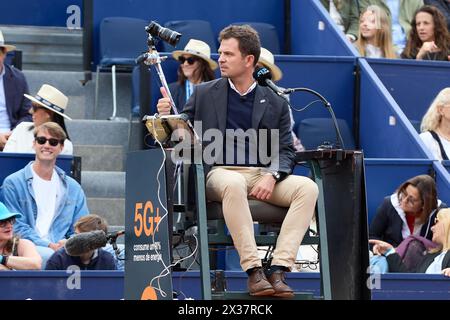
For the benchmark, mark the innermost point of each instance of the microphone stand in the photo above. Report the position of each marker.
(339, 140)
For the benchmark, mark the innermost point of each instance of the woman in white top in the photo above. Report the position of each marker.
(48, 104)
(435, 126)
(375, 40)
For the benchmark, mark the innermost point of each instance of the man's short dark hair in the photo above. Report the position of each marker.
(247, 37)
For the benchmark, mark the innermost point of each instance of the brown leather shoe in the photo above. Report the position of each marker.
(278, 282)
(258, 285)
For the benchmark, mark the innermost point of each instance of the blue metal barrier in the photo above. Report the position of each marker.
(385, 132)
(314, 33)
(108, 285)
(38, 13)
(443, 180)
(413, 84)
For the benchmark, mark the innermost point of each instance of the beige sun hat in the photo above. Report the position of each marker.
(51, 98)
(266, 58)
(7, 46)
(199, 49)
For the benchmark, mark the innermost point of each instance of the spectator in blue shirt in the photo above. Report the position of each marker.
(49, 200)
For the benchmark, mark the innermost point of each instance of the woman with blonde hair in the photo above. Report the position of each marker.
(375, 39)
(435, 126)
(435, 261)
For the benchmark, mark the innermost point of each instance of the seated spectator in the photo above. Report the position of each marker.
(98, 259)
(429, 38)
(409, 211)
(196, 66)
(435, 261)
(49, 200)
(444, 8)
(49, 104)
(266, 59)
(435, 126)
(345, 15)
(13, 106)
(375, 40)
(400, 14)
(16, 253)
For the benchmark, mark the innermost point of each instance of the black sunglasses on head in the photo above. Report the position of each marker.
(52, 141)
(189, 60)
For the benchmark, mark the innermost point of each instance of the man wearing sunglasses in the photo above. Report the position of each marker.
(50, 201)
(237, 103)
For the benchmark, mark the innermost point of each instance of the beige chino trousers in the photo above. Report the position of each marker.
(232, 185)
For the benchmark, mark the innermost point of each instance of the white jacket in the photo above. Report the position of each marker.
(21, 140)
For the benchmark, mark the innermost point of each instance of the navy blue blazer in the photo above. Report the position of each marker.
(209, 103)
(17, 105)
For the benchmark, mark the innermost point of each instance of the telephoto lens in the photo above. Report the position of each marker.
(165, 34)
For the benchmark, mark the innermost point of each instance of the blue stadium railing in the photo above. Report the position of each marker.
(109, 285)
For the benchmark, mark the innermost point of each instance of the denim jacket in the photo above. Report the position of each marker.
(18, 196)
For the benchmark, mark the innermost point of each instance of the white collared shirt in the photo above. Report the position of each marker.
(5, 123)
(250, 89)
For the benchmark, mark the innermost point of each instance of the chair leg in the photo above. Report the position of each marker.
(96, 90)
(113, 75)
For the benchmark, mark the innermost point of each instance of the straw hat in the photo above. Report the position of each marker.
(51, 98)
(199, 49)
(7, 46)
(266, 58)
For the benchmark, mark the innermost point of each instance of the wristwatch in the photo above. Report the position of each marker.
(276, 175)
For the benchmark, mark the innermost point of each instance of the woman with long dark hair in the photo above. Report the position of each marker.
(48, 105)
(429, 38)
(196, 67)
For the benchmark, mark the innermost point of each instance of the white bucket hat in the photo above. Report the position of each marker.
(266, 58)
(7, 46)
(199, 49)
(51, 98)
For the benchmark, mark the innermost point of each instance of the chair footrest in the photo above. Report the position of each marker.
(242, 295)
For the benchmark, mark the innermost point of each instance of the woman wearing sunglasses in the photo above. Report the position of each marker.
(409, 211)
(15, 253)
(196, 67)
(436, 261)
(48, 104)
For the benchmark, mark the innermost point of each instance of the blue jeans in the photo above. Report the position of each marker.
(45, 253)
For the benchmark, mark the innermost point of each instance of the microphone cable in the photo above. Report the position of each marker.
(166, 270)
(340, 141)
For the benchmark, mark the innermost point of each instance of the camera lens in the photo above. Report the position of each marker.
(165, 34)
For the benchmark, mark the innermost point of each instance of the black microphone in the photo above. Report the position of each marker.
(264, 78)
(84, 242)
(112, 236)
